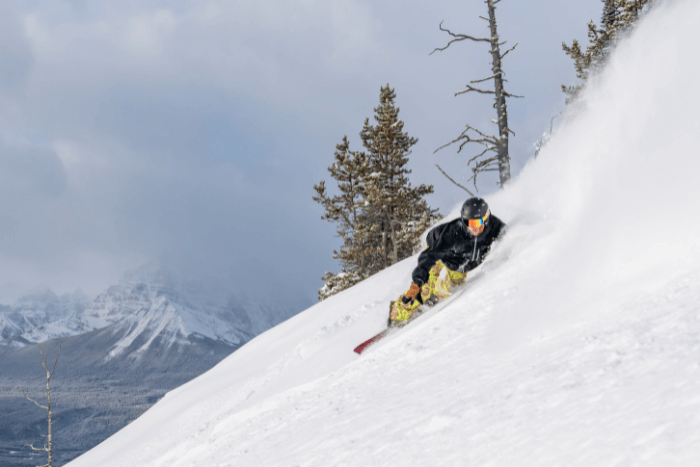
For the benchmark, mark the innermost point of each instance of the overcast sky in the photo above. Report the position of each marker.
(197, 129)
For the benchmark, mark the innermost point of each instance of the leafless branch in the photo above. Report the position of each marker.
(507, 94)
(485, 79)
(458, 38)
(450, 179)
(44, 449)
(480, 155)
(488, 148)
(445, 145)
(484, 165)
(54, 363)
(506, 52)
(478, 170)
(492, 139)
(485, 161)
(486, 140)
(35, 402)
(470, 88)
(486, 19)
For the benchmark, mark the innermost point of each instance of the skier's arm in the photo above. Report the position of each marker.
(426, 260)
(430, 255)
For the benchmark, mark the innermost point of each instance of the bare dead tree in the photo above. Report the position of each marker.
(496, 147)
(48, 447)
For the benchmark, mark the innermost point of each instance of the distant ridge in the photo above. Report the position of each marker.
(157, 329)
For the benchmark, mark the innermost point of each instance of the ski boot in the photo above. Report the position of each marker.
(431, 301)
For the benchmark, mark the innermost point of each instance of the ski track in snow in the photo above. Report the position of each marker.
(577, 342)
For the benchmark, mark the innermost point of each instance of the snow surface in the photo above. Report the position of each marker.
(576, 343)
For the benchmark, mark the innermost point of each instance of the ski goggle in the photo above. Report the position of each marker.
(475, 224)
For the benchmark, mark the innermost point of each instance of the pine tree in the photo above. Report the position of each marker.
(630, 11)
(379, 214)
(619, 16)
(344, 209)
(395, 209)
(610, 14)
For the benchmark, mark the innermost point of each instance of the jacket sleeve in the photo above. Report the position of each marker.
(430, 255)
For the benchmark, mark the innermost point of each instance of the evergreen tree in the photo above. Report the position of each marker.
(619, 16)
(393, 207)
(379, 214)
(630, 11)
(610, 14)
(344, 209)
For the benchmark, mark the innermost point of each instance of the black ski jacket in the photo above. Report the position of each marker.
(460, 251)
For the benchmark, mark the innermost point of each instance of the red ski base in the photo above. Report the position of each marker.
(362, 347)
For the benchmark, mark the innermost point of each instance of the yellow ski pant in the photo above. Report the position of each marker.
(440, 287)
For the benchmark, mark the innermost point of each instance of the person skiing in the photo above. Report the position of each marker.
(459, 246)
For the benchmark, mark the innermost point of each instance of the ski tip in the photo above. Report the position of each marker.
(361, 348)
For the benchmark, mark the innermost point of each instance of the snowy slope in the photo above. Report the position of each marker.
(577, 342)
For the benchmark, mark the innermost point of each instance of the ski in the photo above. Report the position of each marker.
(362, 347)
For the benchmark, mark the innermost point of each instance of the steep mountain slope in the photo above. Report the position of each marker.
(157, 302)
(576, 343)
(10, 324)
(39, 307)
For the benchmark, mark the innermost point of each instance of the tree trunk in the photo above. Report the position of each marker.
(392, 236)
(49, 438)
(500, 104)
(385, 245)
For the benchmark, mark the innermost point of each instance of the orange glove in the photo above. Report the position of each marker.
(412, 294)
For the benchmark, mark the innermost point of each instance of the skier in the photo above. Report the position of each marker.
(459, 246)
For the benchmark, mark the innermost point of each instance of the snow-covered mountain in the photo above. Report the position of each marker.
(39, 307)
(172, 306)
(576, 343)
(158, 328)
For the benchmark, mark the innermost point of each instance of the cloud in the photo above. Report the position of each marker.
(33, 186)
(15, 53)
(199, 128)
(29, 171)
